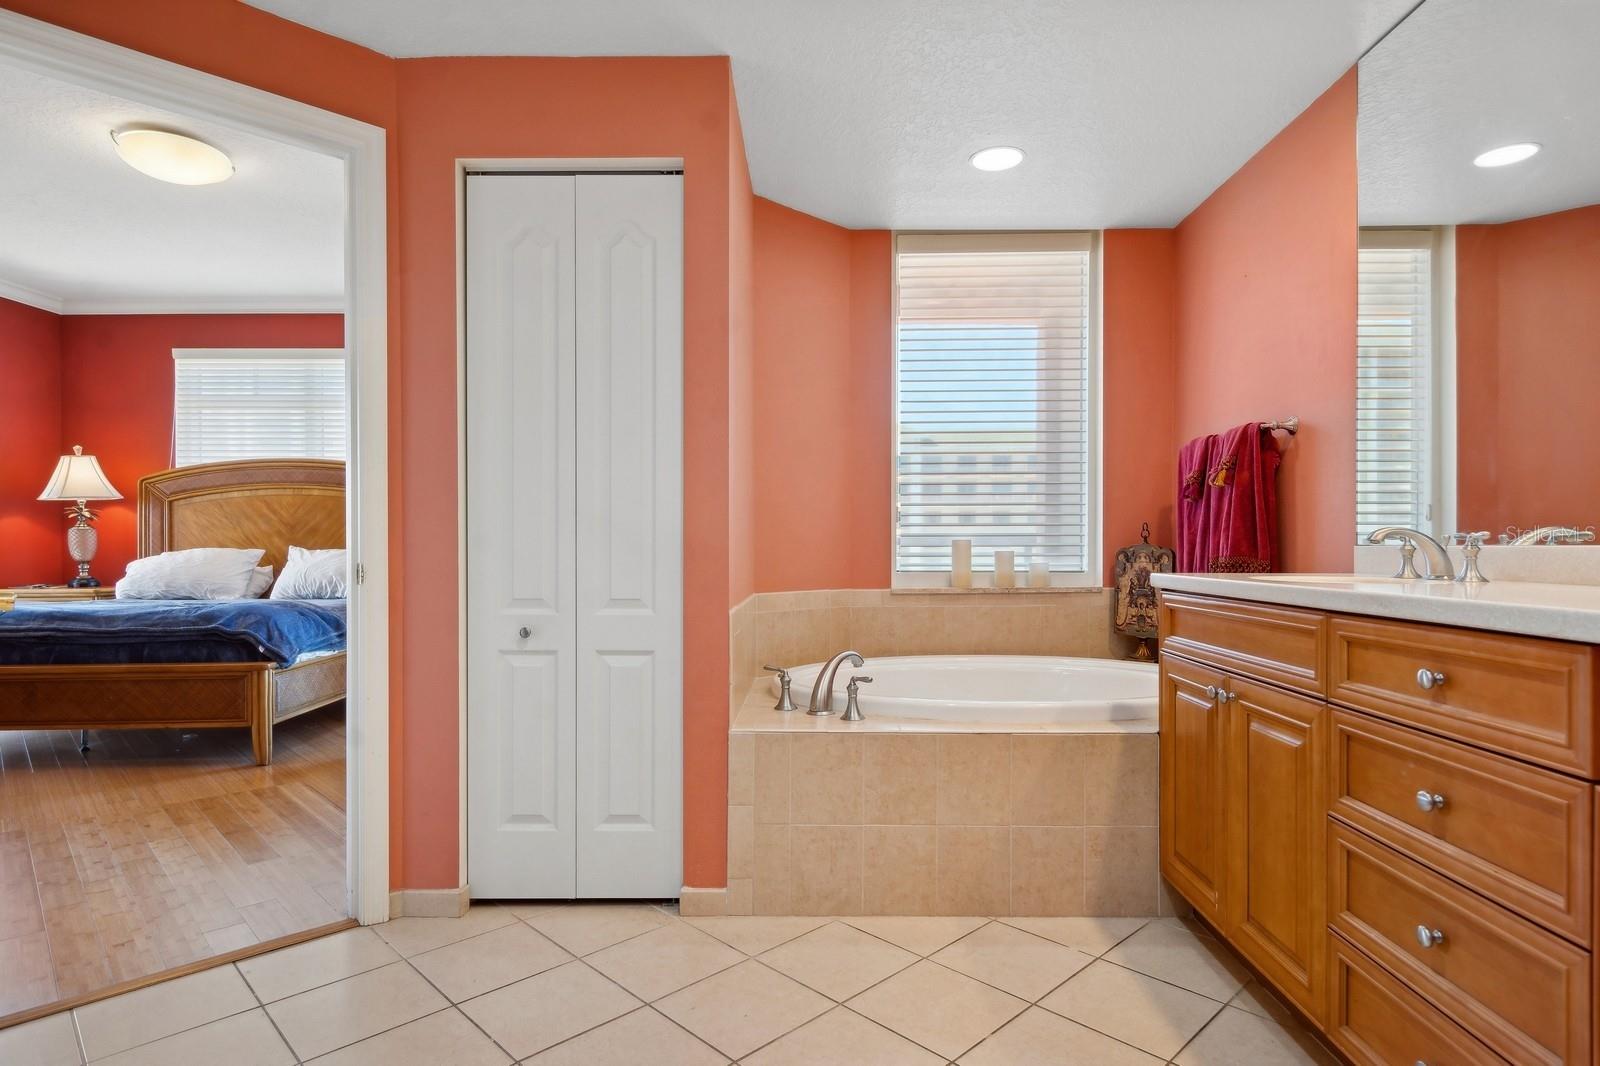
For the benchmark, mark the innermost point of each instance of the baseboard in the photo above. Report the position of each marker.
(702, 902)
(429, 902)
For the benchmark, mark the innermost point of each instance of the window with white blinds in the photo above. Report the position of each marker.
(258, 403)
(996, 438)
(1395, 381)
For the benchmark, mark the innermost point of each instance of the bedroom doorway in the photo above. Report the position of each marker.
(235, 797)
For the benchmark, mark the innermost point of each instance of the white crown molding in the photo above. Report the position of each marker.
(22, 294)
(206, 305)
(172, 305)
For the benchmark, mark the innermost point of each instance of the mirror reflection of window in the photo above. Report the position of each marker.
(1398, 381)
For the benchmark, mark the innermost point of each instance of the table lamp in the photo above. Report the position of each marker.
(78, 478)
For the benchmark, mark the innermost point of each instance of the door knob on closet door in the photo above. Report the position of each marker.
(524, 632)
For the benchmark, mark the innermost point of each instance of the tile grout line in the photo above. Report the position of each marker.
(262, 1006)
(453, 1005)
(179, 1032)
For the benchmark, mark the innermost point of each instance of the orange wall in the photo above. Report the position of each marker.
(824, 398)
(1266, 285)
(1528, 360)
(116, 376)
(742, 474)
(822, 403)
(533, 107)
(33, 542)
(1138, 336)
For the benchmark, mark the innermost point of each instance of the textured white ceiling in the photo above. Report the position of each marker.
(82, 231)
(864, 111)
(1462, 76)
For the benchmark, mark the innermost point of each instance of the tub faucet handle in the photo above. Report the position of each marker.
(785, 700)
(852, 705)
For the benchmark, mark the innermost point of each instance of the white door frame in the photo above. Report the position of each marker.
(87, 61)
(491, 165)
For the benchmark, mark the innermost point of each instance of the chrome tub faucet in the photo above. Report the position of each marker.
(822, 691)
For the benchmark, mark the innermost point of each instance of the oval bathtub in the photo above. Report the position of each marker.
(984, 691)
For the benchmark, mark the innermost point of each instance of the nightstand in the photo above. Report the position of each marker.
(61, 593)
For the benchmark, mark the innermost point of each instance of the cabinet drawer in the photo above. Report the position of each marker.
(1520, 695)
(1518, 834)
(1520, 989)
(1277, 644)
(1376, 1020)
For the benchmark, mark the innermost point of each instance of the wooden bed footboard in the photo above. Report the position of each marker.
(169, 696)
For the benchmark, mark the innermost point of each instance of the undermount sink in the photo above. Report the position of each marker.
(1332, 580)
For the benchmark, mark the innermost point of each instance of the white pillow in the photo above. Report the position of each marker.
(260, 582)
(193, 574)
(311, 575)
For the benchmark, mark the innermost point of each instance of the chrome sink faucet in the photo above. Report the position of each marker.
(1440, 568)
(822, 691)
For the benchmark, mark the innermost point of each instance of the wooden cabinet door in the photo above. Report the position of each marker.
(1276, 903)
(1193, 852)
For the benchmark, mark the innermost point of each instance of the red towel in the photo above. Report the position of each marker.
(1193, 463)
(1231, 525)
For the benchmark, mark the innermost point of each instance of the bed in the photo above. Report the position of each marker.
(192, 664)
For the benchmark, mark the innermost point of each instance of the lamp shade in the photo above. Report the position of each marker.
(79, 477)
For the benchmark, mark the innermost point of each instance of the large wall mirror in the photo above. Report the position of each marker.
(1478, 378)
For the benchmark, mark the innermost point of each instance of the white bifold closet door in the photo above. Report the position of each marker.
(574, 428)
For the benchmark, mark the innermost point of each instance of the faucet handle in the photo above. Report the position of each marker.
(1471, 545)
(785, 698)
(852, 708)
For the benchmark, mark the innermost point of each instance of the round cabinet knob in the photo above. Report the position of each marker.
(1429, 938)
(524, 632)
(1212, 692)
(1428, 679)
(1429, 801)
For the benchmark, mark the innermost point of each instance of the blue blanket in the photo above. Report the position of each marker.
(169, 631)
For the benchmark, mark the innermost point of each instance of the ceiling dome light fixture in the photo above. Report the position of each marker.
(1507, 154)
(172, 157)
(999, 158)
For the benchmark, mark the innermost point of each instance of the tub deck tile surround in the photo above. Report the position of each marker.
(777, 991)
(873, 818)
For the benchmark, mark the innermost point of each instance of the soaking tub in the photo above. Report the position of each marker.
(943, 692)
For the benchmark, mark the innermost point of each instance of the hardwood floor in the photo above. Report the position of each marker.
(161, 848)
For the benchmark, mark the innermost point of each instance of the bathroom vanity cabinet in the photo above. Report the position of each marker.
(1393, 821)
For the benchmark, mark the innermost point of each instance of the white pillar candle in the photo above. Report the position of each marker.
(1005, 569)
(961, 564)
(1039, 574)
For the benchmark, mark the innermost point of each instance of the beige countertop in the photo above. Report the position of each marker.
(1538, 609)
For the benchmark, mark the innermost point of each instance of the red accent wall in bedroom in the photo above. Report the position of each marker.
(1266, 325)
(116, 397)
(1527, 324)
(33, 543)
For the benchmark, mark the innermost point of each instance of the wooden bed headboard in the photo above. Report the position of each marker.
(251, 503)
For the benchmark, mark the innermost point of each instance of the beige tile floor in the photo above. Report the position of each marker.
(634, 984)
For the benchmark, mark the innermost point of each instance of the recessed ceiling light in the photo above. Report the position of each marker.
(1001, 158)
(172, 157)
(1506, 154)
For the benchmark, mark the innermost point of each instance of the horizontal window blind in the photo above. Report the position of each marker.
(1394, 380)
(258, 404)
(993, 399)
